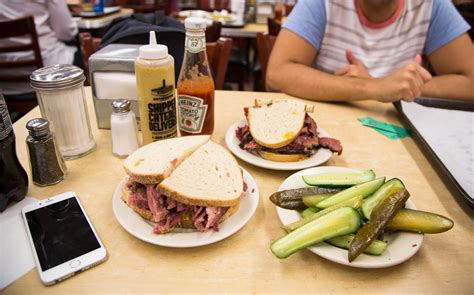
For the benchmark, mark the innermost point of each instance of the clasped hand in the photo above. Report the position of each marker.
(404, 83)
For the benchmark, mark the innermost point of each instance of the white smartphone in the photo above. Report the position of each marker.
(62, 238)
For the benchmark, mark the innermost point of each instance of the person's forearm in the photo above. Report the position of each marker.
(303, 81)
(450, 86)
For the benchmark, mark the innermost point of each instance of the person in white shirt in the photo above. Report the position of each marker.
(54, 24)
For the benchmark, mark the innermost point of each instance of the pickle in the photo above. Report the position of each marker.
(364, 189)
(419, 221)
(342, 221)
(381, 215)
(312, 200)
(293, 198)
(338, 179)
(309, 211)
(385, 190)
(354, 203)
(377, 247)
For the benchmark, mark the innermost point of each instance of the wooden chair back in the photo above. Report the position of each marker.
(213, 32)
(89, 45)
(12, 70)
(265, 43)
(274, 26)
(211, 5)
(218, 55)
(16, 28)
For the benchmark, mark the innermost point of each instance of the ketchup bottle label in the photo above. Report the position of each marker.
(195, 45)
(192, 113)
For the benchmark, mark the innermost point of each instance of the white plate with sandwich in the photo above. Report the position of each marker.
(280, 135)
(184, 192)
(401, 245)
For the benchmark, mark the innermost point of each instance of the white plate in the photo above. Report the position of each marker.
(143, 229)
(232, 142)
(401, 245)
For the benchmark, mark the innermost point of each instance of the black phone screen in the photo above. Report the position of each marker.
(60, 233)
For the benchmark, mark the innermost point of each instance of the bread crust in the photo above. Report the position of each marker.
(191, 200)
(148, 215)
(275, 157)
(286, 140)
(169, 190)
(155, 149)
(146, 178)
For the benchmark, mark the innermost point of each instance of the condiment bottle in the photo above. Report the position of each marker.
(61, 98)
(123, 126)
(13, 178)
(154, 71)
(195, 83)
(46, 163)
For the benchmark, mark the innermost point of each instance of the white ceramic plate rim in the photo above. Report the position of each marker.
(401, 246)
(232, 142)
(143, 230)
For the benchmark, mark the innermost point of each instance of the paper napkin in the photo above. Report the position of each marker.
(16, 257)
(391, 131)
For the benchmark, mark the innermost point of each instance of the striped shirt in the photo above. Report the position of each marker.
(332, 26)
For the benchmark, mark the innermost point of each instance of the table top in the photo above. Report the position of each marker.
(250, 30)
(243, 262)
(102, 21)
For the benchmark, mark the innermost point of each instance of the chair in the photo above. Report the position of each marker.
(213, 32)
(15, 28)
(265, 43)
(264, 47)
(218, 54)
(211, 5)
(89, 45)
(274, 26)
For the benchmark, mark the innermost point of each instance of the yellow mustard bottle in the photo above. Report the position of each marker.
(154, 71)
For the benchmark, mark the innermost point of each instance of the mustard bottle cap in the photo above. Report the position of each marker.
(153, 50)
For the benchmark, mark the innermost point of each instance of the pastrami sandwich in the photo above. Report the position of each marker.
(187, 182)
(282, 131)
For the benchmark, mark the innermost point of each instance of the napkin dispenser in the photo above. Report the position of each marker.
(112, 76)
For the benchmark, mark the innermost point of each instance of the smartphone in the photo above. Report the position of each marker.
(62, 238)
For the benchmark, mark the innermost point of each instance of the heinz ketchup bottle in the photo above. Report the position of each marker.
(13, 178)
(195, 83)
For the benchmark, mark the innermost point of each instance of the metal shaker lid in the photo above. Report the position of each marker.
(56, 76)
(121, 105)
(38, 127)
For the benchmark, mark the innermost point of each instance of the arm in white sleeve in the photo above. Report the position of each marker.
(60, 20)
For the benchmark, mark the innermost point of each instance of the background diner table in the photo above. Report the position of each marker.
(249, 30)
(243, 263)
(101, 22)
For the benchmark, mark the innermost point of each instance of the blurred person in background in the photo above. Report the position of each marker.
(341, 50)
(54, 25)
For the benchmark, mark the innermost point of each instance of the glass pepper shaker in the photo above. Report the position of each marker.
(46, 163)
(123, 126)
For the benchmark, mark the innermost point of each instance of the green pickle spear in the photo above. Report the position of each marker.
(380, 216)
(340, 222)
(294, 198)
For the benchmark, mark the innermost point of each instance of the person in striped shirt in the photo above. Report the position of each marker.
(339, 50)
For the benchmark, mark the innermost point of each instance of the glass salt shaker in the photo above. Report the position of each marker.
(123, 126)
(60, 93)
(46, 163)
